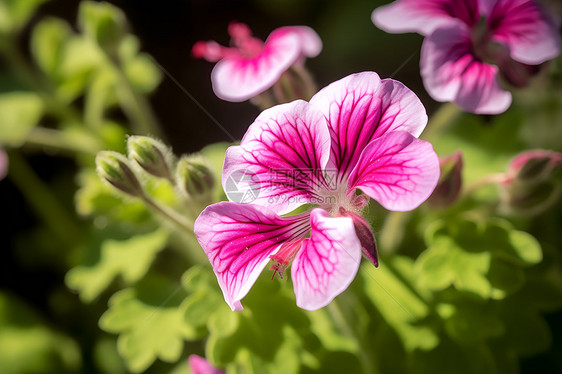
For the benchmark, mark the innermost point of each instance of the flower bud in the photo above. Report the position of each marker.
(530, 185)
(450, 181)
(151, 155)
(194, 176)
(115, 169)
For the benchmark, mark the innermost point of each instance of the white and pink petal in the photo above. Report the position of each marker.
(239, 78)
(424, 16)
(360, 108)
(282, 155)
(452, 72)
(238, 240)
(530, 33)
(327, 262)
(397, 170)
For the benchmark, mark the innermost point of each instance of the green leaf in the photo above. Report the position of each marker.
(149, 322)
(27, 345)
(47, 44)
(485, 259)
(14, 14)
(21, 111)
(400, 307)
(129, 258)
(103, 23)
(139, 67)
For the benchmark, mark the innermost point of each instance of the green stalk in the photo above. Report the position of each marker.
(443, 117)
(54, 139)
(42, 201)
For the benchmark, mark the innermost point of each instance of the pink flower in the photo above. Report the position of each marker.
(251, 66)
(3, 164)
(355, 139)
(199, 365)
(469, 44)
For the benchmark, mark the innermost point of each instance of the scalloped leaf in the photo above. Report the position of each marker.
(21, 112)
(149, 322)
(130, 258)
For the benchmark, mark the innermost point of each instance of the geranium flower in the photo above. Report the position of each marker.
(250, 66)
(355, 139)
(469, 44)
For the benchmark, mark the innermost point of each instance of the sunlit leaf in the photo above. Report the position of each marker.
(149, 322)
(400, 307)
(47, 44)
(129, 259)
(21, 111)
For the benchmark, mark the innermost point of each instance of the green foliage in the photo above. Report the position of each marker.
(28, 345)
(149, 322)
(485, 259)
(21, 112)
(14, 14)
(130, 259)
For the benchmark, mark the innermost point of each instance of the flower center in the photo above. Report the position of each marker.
(333, 200)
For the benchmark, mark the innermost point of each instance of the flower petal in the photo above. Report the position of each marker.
(309, 41)
(239, 238)
(360, 108)
(238, 78)
(529, 32)
(397, 170)
(451, 72)
(284, 151)
(199, 365)
(327, 262)
(3, 164)
(424, 16)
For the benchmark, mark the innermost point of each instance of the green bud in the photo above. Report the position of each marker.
(450, 181)
(151, 155)
(194, 176)
(115, 169)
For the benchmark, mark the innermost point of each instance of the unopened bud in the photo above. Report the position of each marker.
(194, 176)
(450, 181)
(115, 169)
(532, 165)
(151, 155)
(530, 185)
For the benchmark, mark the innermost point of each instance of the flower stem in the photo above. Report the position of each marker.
(484, 181)
(344, 324)
(393, 230)
(443, 117)
(47, 207)
(169, 215)
(54, 139)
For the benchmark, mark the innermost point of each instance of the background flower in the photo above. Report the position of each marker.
(463, 56)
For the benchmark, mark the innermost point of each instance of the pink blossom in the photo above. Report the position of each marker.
(199, 365)
(3, 164)
(251, 66)
(471, 44)
(355, 139)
